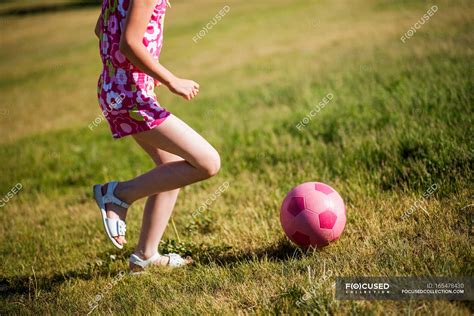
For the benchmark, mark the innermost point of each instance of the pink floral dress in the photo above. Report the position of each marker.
(126, 94)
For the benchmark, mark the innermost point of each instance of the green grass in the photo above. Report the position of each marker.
(401, 120)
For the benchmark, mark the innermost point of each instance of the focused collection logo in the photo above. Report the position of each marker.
(367, 287)
(404, 288)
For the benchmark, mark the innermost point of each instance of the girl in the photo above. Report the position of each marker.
(131, 37)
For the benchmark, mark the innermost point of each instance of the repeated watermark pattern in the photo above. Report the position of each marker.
(221, 189)
(366, 68)
(54, 155)
(209, 25)
(101, 117)
(419, 203)
(311, 23)
(312, 291)
(94, 303)
(10, 194)
(314, 111)
(425, 18)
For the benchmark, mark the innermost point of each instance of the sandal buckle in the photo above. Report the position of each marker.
(107, 199)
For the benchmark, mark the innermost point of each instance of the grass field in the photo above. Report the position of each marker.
(401, 120)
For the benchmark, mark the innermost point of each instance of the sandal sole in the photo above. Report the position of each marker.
(103, 212)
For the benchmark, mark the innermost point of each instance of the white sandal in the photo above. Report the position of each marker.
(174, 261)
(113, 227)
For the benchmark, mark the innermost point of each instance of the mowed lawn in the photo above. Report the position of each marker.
(400, 121)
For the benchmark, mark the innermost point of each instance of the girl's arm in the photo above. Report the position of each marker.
(131, 46)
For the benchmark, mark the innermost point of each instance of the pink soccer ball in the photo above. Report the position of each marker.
(313, 214)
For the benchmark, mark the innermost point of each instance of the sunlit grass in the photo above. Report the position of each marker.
(401, 120)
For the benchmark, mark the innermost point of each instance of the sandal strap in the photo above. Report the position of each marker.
(144, 263)
(117, 227)
(110, 197)
(175, 260)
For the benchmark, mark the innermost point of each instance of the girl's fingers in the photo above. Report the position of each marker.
(191, 93)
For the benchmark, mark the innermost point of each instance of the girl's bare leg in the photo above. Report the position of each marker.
(201, 161)
(158, 208)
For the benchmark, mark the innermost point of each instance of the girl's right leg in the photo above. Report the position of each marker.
(201, 161)
(158, 208)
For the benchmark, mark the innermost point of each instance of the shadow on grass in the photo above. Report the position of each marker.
(107, 265)
(104, 266)
(224, 254)
(281, 251)
(46, 8)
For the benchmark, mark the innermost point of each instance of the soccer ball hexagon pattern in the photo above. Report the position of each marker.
(313, 214)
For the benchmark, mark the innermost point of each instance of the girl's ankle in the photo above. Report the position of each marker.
(145, 255)
(121, 191)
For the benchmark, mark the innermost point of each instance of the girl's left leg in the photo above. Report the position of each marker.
(158, 207)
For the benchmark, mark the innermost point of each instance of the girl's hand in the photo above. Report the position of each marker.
(188, 89)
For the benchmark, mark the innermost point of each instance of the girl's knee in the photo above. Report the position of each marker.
(210, 163)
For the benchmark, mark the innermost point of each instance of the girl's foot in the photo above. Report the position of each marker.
(116, 212)
(138, 265)
(113, 211)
